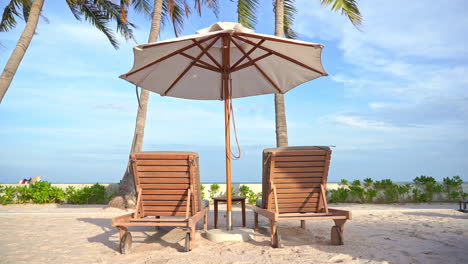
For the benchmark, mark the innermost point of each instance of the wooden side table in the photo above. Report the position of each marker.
(224, 199)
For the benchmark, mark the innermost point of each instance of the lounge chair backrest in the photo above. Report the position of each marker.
(297, 174)
(164, 179)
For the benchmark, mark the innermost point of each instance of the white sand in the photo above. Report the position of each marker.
(411, 233)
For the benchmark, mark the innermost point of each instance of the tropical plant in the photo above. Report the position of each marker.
(453, 187)
(202, 191)
(160, 12)
(214, 189)
(40, 192)
(344, 182)
(428, 186)
(97, 13)
(368, 182)
(284, 19)
(357, 193)
(339, 195)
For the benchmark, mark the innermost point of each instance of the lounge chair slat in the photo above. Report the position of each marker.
(286, 164)
(298, 200)
(298, 175)
(297, 192)
(144, 156)
(297, 185)
(165, 186)
(300, 169)
(142, 168)
(164, 180)
(152, 213)
(159, 191)
(297, 180)
(149, 197)
(180, 162)
(165, 174)
(301, 153)
(300, 158)
(162, 208)
(146, 203)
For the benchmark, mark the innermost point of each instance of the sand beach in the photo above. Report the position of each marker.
(410, 233)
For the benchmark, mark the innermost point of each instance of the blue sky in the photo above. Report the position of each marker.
(395, 104)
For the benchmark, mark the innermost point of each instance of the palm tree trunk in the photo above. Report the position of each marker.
(280, 111)
(126, 196)
(21, 47)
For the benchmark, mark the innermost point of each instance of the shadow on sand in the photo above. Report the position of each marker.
(161, 236)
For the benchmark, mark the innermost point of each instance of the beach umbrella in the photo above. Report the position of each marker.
(222, 62)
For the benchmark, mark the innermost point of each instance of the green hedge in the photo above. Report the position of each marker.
(424, 189)
(43, 192)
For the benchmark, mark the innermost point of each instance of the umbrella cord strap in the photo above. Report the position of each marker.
(231, 109)
(138, 96)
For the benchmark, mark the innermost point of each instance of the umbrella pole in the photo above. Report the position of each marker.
(227, 122)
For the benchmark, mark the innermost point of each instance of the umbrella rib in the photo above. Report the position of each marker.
(166, 57)
(206, 67)
(248, 53)
(250, 63)
(204, 50)
(278, 40)
(208, 54)
(206, 64)
(256, 66)
(282, 56)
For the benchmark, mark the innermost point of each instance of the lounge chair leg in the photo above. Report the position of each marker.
(273, 231)
(337, 232)
(122, 231)
(303, 224)
(192, 237)
(255, 221)
(205, 221)
(157, 227)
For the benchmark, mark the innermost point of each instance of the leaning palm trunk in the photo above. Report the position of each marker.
(126, 196)
(21, 47)
(280, 111)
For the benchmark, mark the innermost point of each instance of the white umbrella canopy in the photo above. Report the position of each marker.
(190, 67)
(222, 62)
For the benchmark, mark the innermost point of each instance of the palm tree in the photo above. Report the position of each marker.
(98, 13)
(284, 19)
(160, 11)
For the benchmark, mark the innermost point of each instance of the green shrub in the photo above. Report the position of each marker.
(368, 182)
(251, 196)
(214, 189)
(369, 195)
(96, 194)
(357, 193)
(202, 191)
(7, 194)
(339, 195)
(356, 183)
(428, 186)
(453, 188)
(40, 192)
(344, 182)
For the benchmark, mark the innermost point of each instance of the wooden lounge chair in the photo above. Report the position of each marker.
(168, 185)
(294, 184)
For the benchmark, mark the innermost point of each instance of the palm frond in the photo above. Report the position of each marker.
(11, 11)
(290, 12)
(143, 6)
(348, 8)
(173, 11)
(246, 10)
(211, 4)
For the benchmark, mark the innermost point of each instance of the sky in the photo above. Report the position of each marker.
(395, 104)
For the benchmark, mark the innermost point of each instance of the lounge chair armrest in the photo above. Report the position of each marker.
(341, 212)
